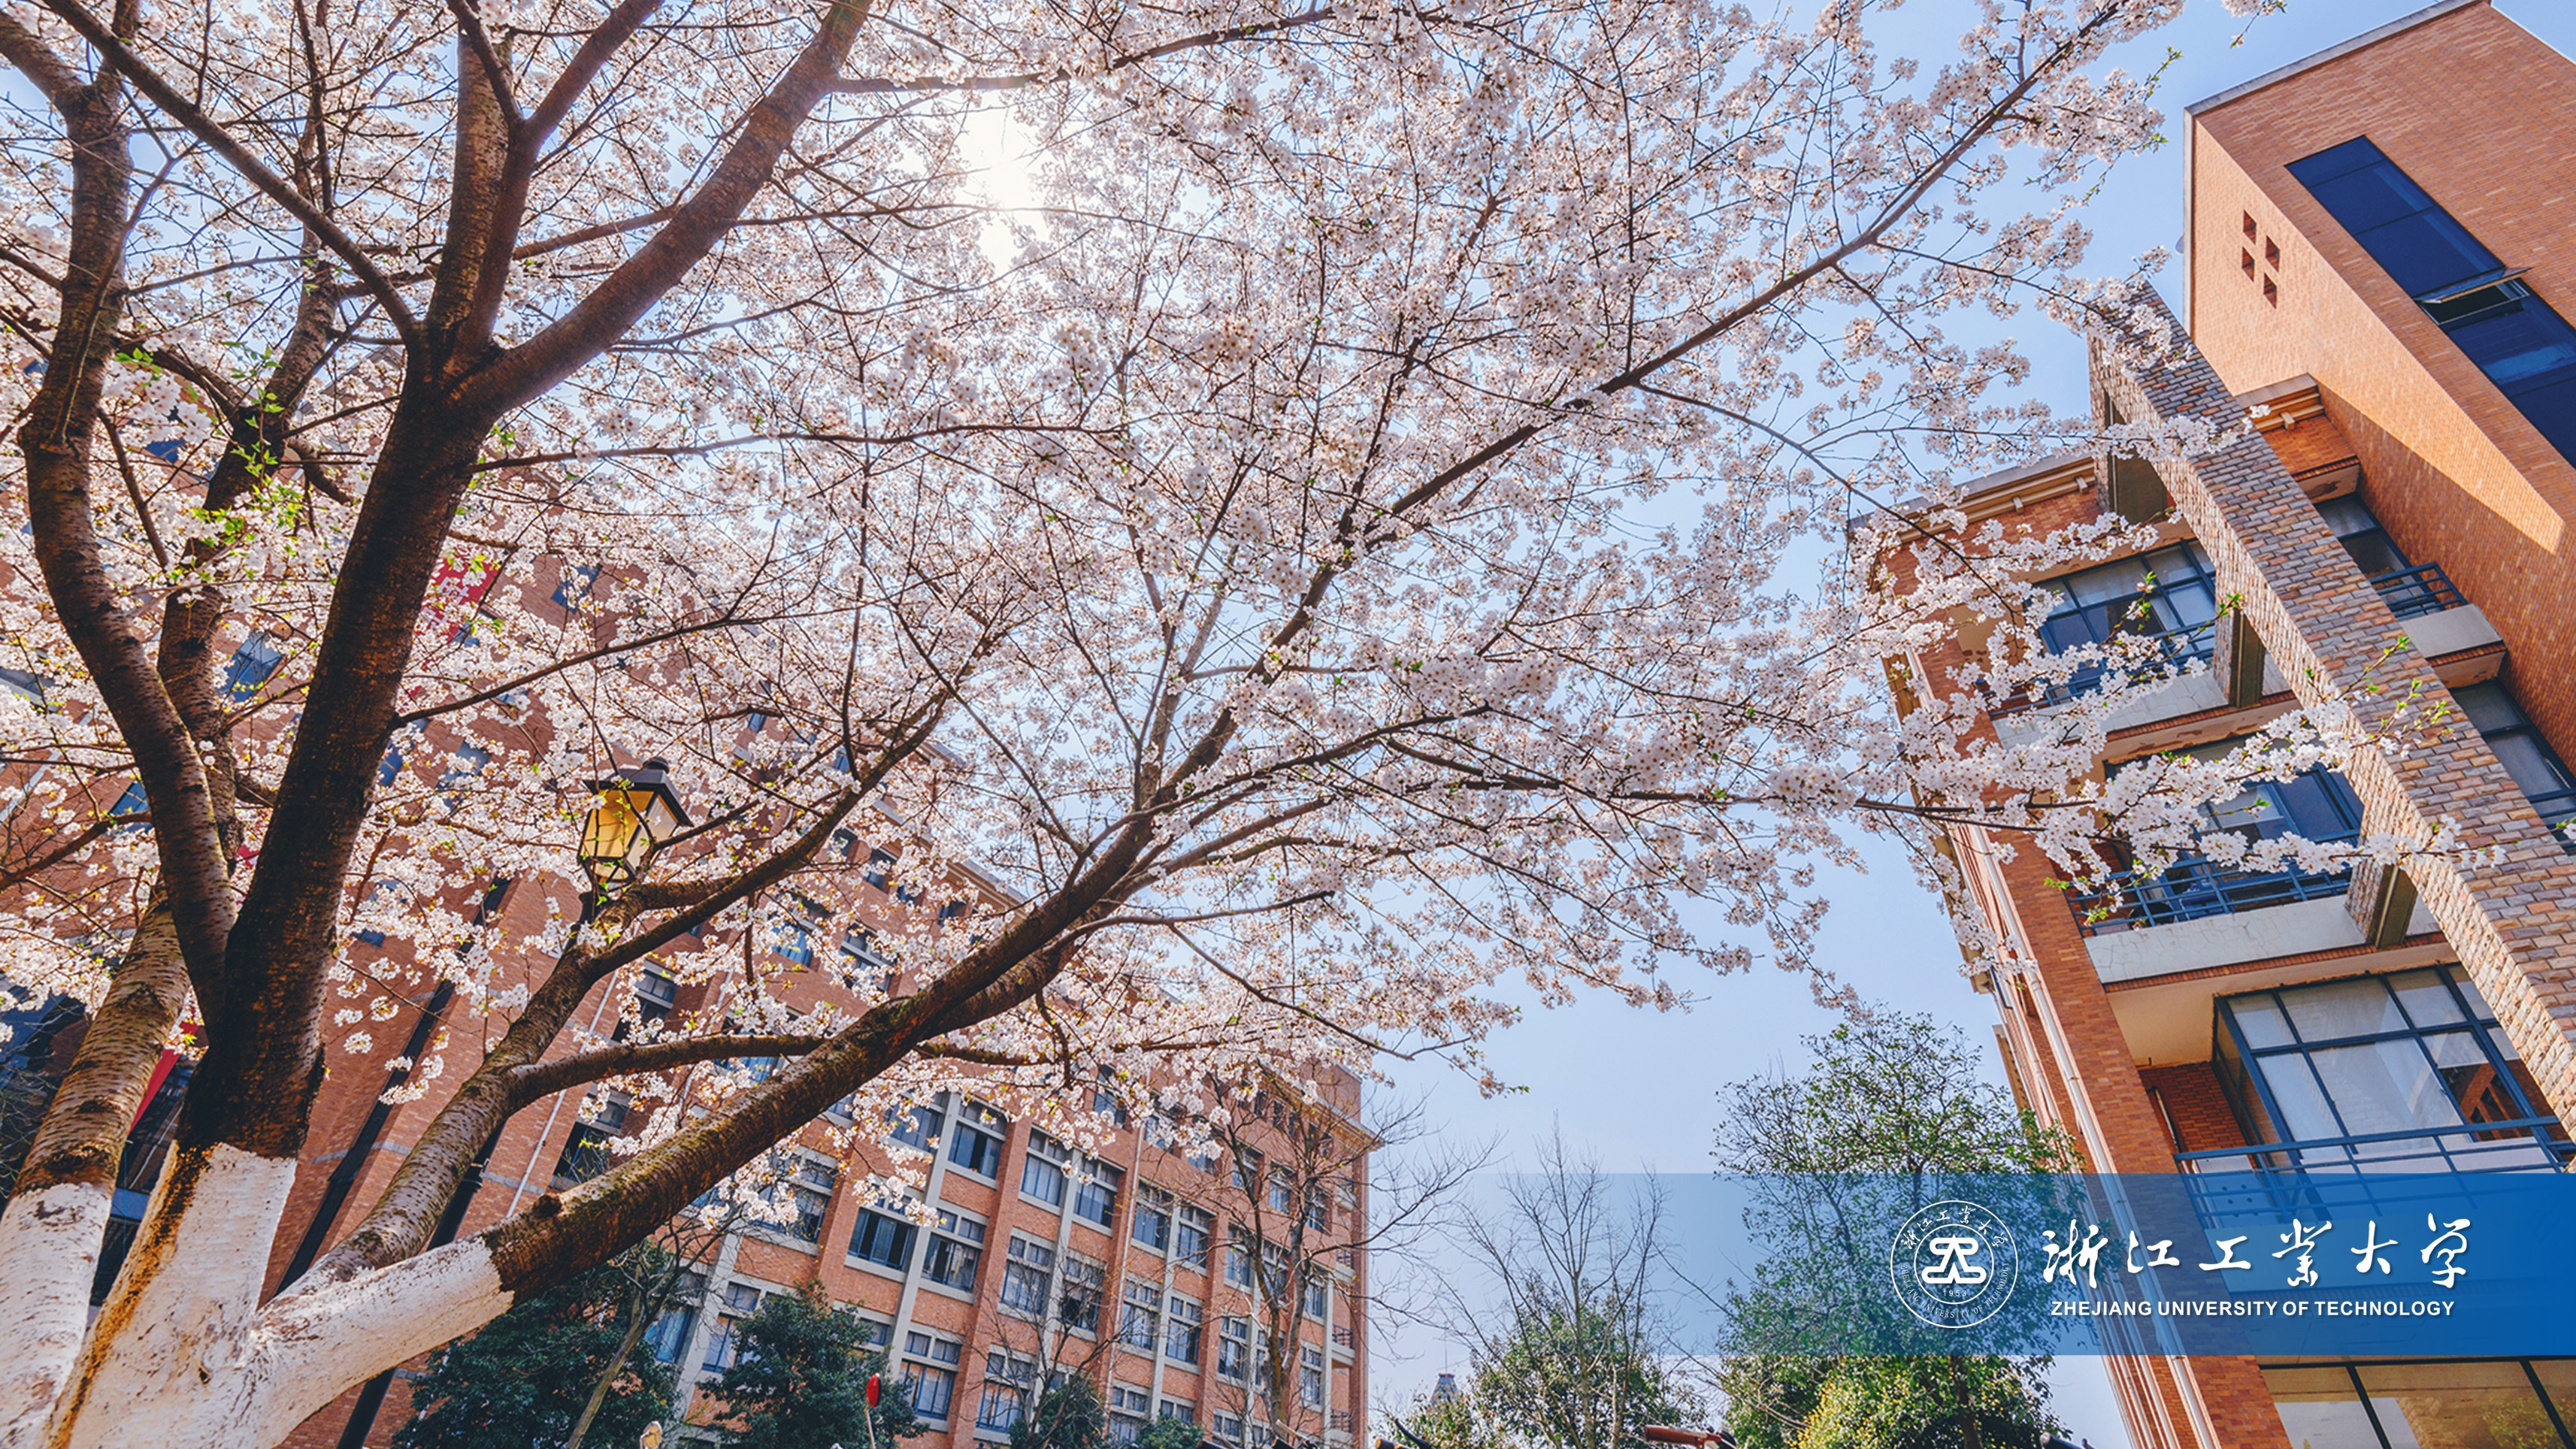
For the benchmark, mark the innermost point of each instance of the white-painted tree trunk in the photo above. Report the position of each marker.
(184, 1356)
(49, 1246)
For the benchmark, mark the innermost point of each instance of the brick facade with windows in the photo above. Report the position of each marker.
(2398, 522)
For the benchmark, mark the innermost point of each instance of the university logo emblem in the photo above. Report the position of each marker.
(1954, 1264)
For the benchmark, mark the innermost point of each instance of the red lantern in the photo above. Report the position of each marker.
(874, 1387)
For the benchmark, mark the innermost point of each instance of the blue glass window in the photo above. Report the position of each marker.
(2517, 339)
(2398, 1073)
(883, 1240)
(252, 664)
(2534, 766)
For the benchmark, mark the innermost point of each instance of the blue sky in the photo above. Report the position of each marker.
(1636, 1089)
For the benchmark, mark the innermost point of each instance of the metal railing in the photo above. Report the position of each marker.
(2276, 1170)
(2172, 648)
(2414, 592)
(2192, 889)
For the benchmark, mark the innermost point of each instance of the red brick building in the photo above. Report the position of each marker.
(1131, 1264)
(2382, 265)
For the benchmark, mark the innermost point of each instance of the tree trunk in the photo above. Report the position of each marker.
(51, 1230)
(187, 1354)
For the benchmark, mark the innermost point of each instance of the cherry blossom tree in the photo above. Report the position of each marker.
(1320, 509)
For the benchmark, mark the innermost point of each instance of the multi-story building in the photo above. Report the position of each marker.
(2381, 269)
(1020, 1259)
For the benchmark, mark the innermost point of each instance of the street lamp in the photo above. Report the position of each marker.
(631, 815)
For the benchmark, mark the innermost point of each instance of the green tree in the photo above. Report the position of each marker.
(1068, 1416)
(1171, 1432)
(528, 1375)
(1898, 1096)
(800, 1379)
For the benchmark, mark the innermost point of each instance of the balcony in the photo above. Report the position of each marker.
(2171, 649)
(2194, 889)
(2521, 1144)
(2417, 590)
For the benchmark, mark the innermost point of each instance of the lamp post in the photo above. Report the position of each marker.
(632, 815)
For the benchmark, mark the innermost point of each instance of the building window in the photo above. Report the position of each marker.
(1086, 1286)
(1238, 1262)
(2404, 1072)
(252, 664)
(1283, 1191)
(930, 1372)
(2316, 806)
(740, 1301)
(2411, 590)
(1310, 1375)
(573, 586)
(811, 1191)
(656, 994)
(27, 685)
(668, 1338)
(1028, 1274)
(880, 868)
(1247, 1173)
(467, 766)
(1192, 1229)
(585, 1152)
(1233, 1348)
(1096, 1201)
(1181, 1320)
(1227, 1428)
(1042, 1172)
(795, 940)
(1182, 1409)
(975, 1140)
(2518, 340)
(1153, 1226)
(2544, 778)
(2168, 598)
(1007, 1380)
(864, 966)
(1128, 1410)
(2400, 1405)
(915, 1126)
(882, 1240)
(1105, 1100)
(1319, 1209)
(1140, 1317)
(954, 1252)
(1312, 1293)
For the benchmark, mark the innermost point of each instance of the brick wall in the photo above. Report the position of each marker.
(2452, 468)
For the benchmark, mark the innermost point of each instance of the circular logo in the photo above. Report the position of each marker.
(1954, 1264)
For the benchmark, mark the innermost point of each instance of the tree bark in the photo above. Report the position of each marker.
(51, 1230)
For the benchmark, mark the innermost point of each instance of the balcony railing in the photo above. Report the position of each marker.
(2520, 1144)
(2414, 592)
(2171, 649)
(2192, 889)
